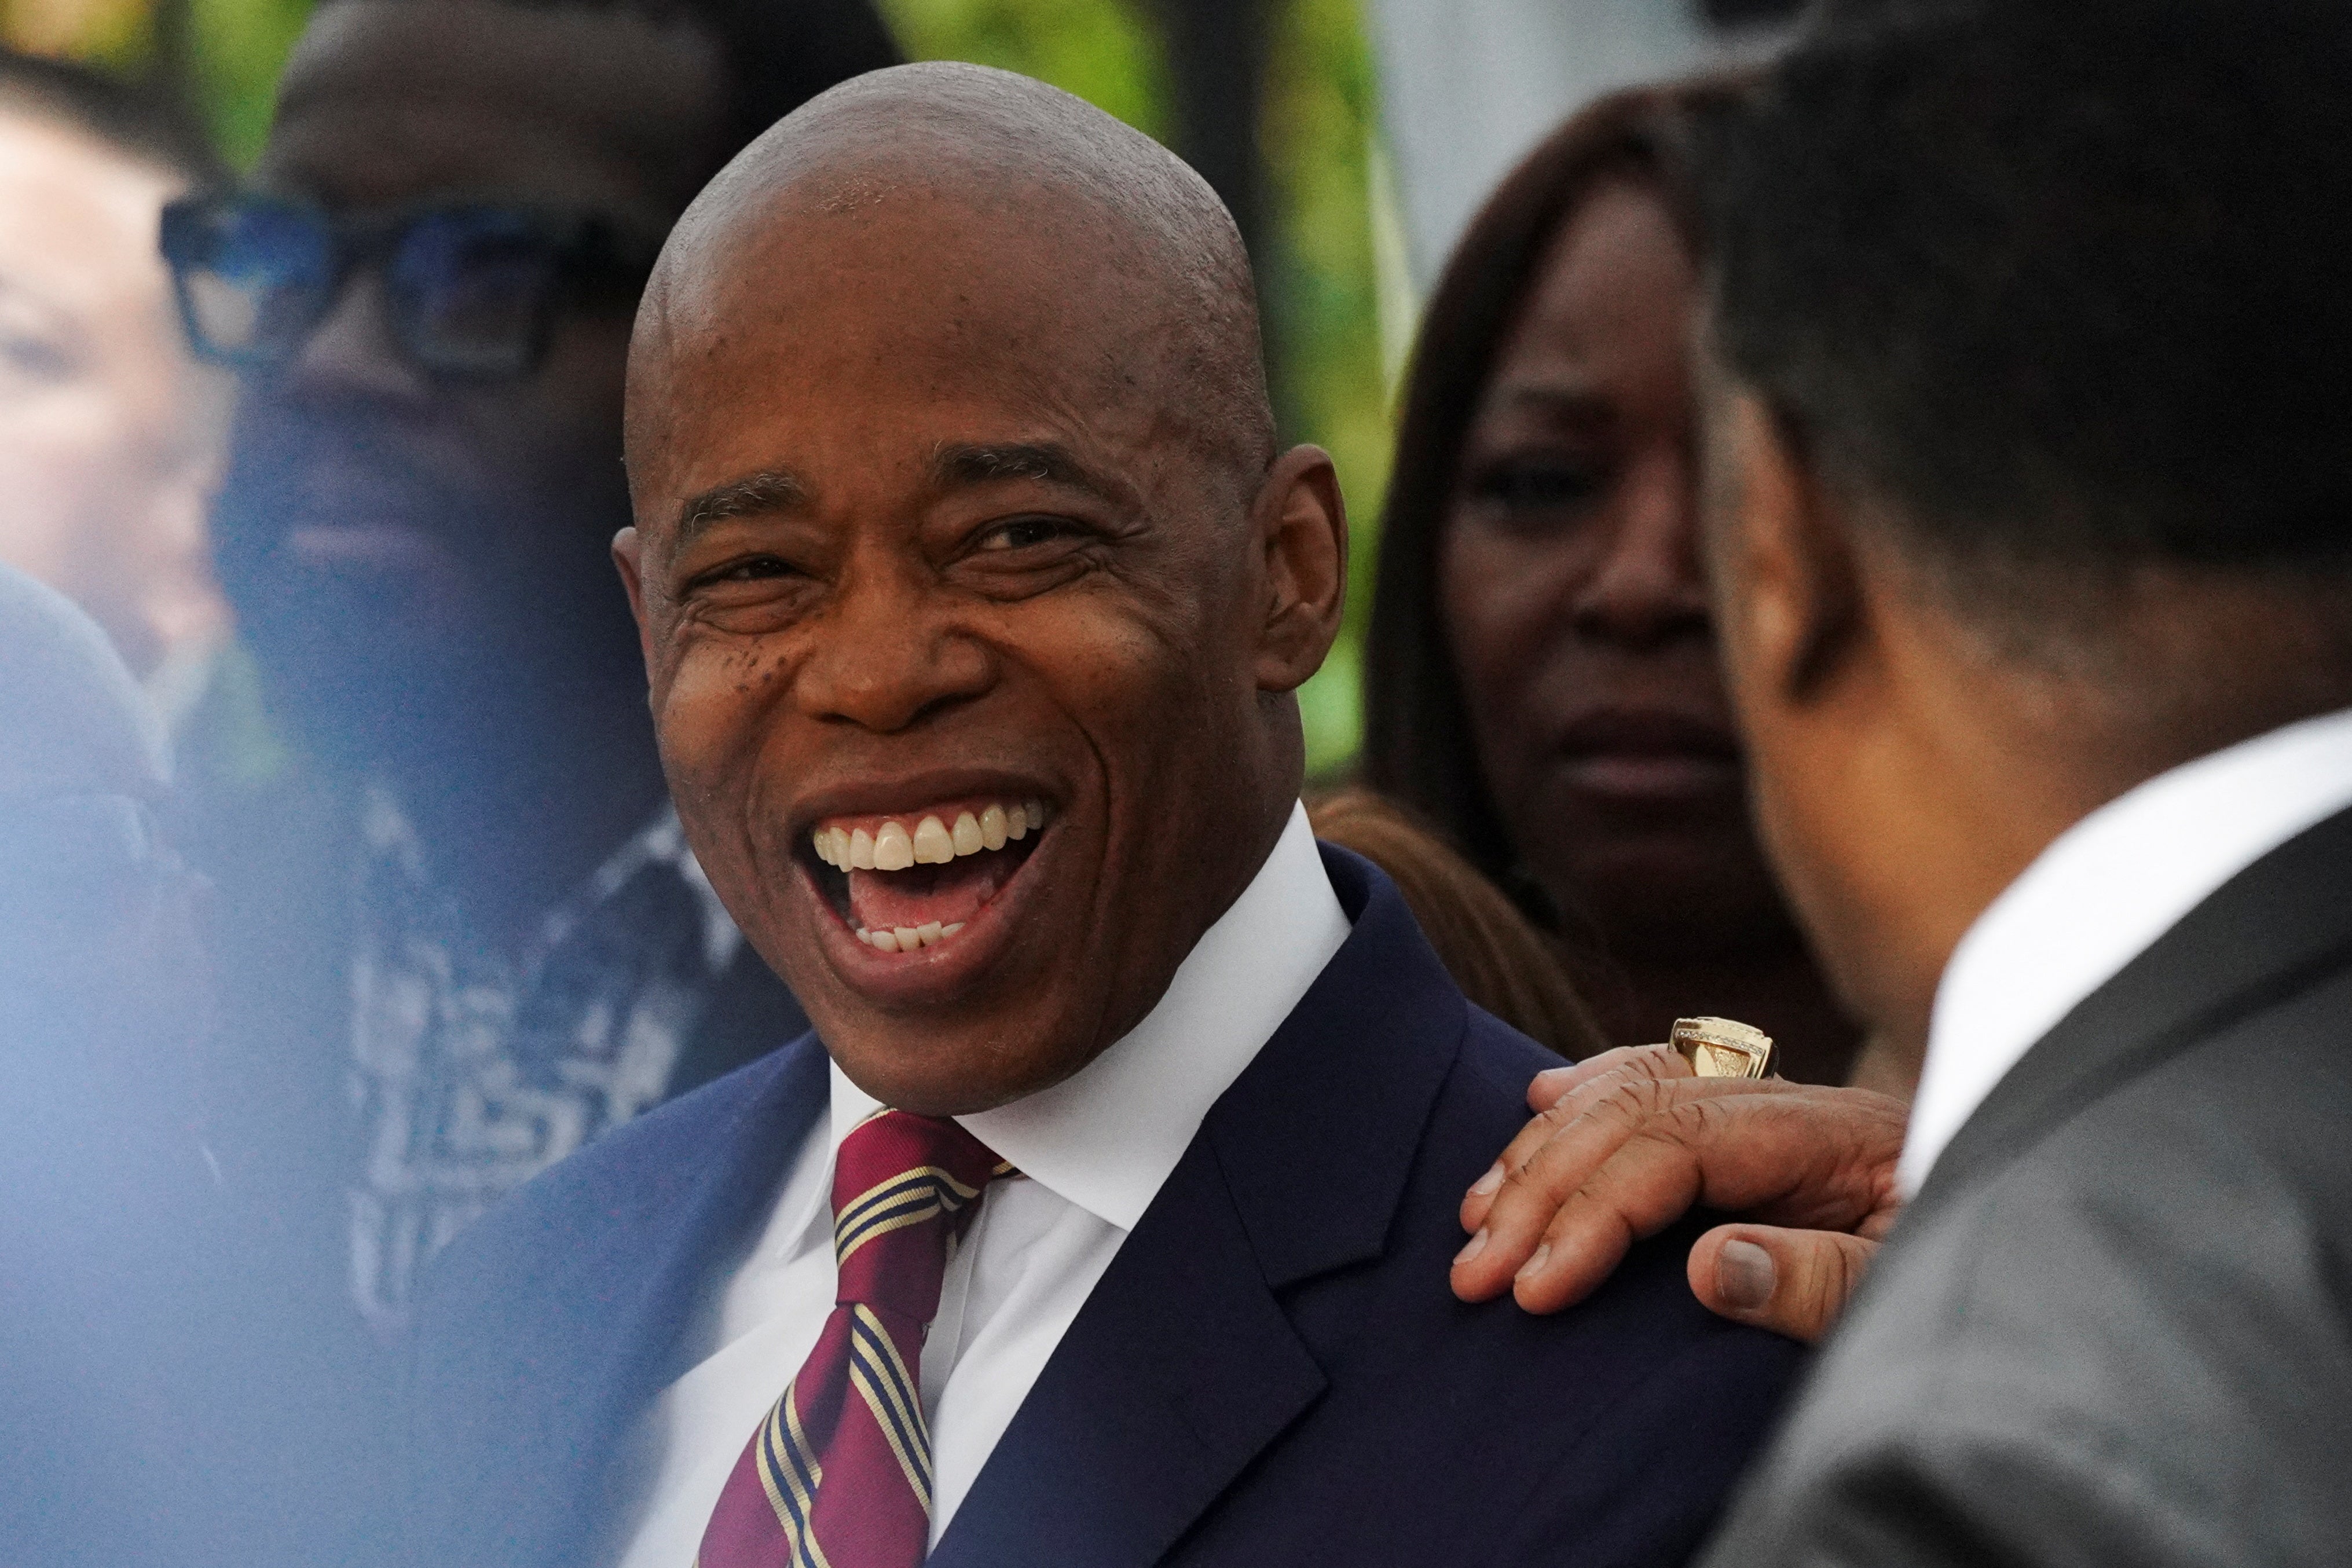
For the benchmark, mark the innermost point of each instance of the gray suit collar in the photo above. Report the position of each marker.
(2273, 930)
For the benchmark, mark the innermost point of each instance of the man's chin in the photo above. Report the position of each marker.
(984, 1017)
(958, 1071)
(946, 1034)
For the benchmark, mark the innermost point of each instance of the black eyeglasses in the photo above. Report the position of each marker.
(469, 289)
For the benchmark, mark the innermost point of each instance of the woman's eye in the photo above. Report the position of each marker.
(1539, 486)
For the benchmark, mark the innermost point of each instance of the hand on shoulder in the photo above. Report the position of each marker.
(1626, 1142)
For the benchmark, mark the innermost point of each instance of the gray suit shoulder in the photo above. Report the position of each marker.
(2127, 1345)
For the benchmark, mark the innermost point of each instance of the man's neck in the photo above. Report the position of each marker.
(1993, 758)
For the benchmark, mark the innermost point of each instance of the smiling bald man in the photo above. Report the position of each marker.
(973, 592)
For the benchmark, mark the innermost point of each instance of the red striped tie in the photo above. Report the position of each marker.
(839, 1475)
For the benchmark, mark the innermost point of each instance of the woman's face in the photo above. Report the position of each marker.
(109, 434)
(1570, 586)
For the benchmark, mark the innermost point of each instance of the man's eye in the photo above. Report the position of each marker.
(757, 568)
(1022, 533)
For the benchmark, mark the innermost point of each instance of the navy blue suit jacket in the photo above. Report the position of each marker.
(1272, 1370)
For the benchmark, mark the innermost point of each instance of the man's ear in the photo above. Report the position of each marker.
(1787, 584)
(628, 555)
(1301, 523)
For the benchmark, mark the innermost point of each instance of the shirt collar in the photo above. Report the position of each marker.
(2099, 896)
(1108, 1136)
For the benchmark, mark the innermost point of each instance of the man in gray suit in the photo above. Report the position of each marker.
(2029, 509)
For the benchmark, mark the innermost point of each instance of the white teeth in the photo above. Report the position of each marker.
(892, 850)
(932, 843)
(928, 934)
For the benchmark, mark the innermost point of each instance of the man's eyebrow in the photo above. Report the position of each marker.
(962, 463)
(756, 495)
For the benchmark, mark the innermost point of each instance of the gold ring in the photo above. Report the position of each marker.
(1720, 1047)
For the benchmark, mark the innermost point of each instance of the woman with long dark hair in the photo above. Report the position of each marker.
(1541, 678)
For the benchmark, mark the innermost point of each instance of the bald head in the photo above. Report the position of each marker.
(1119, 221)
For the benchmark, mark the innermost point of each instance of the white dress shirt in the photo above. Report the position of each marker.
(1092, 1152)
(2101, 895)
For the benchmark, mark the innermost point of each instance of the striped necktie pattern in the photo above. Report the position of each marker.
(839, 1473)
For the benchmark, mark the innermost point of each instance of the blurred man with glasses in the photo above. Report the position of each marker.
(458, 901)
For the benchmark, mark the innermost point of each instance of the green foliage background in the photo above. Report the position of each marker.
(1333, 281)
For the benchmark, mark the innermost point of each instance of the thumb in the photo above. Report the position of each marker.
(1793, 1282)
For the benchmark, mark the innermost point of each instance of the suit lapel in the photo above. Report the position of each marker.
(1180, 1368)
(1183, 1366)
(598, 1370)
(738, 1183)
(2270, 932)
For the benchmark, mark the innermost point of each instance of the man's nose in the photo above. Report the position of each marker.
(887, 655)
(354, 354)
(1648, 586)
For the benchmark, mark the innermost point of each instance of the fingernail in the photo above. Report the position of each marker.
(1489, 1182)
(1744, 1274)
(1551, 1073)
(1477, 1244)
(1534, 1266)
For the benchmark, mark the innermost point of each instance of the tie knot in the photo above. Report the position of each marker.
(902, 1186)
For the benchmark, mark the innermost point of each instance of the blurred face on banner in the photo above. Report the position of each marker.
(109, 432)
(437, 261)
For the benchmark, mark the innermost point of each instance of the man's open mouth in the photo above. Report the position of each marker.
(914, 880)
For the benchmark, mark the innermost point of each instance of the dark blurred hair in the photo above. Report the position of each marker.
(1499, 959)
(135, 122)
(778, 54)
(2066, 284)
(1417, 744)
